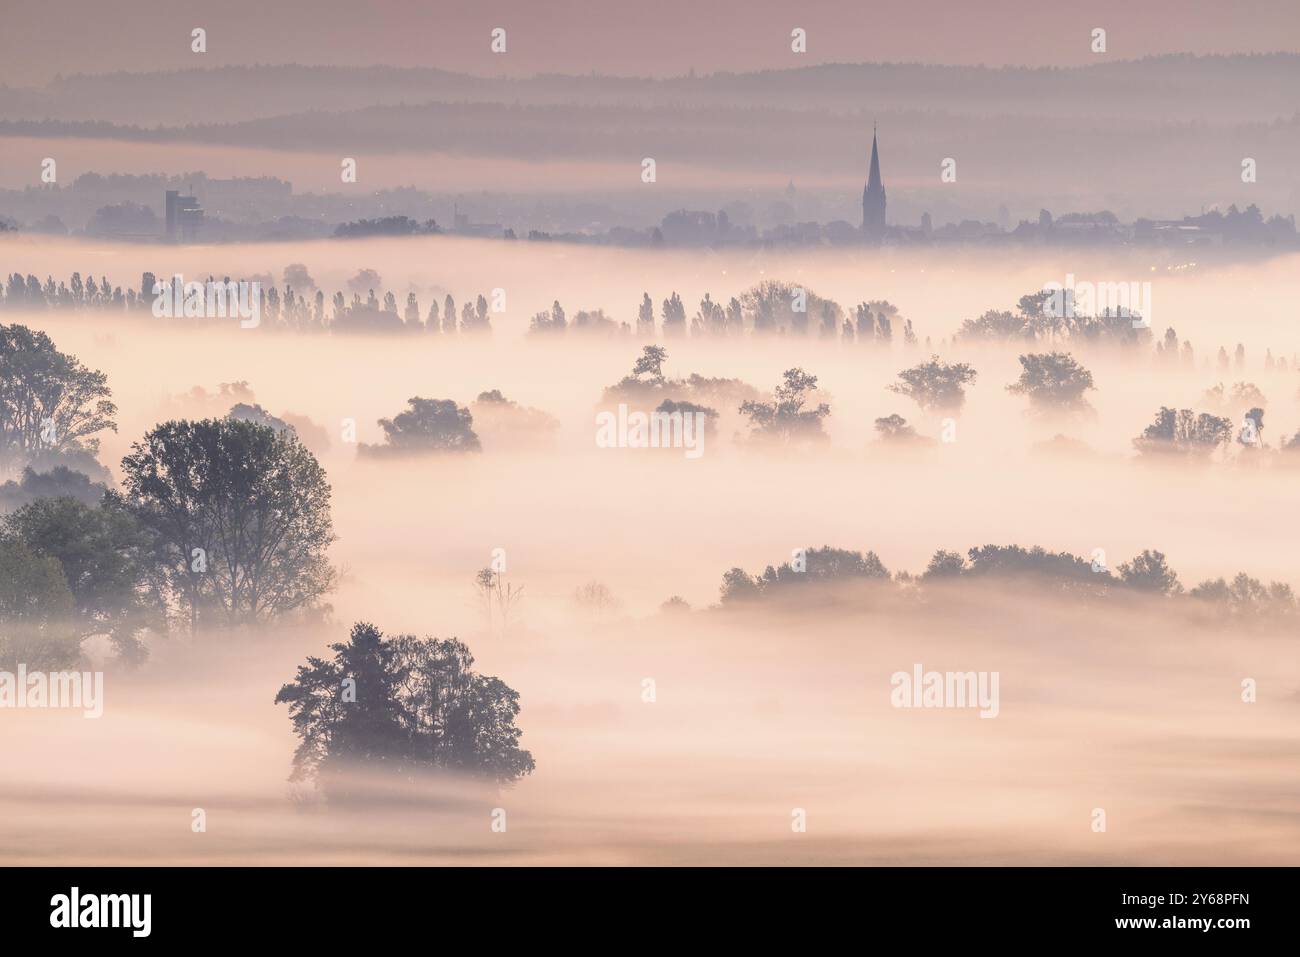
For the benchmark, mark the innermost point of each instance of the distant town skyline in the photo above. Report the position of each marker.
(667, 38)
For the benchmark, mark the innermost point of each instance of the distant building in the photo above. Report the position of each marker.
(873, 197)
(124, 221)
(184, 216)
(689, 227)
(461, 225)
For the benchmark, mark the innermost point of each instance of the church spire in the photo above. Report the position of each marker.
(873, 197)
(873, 178)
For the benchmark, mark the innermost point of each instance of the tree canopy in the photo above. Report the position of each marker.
(36, 610)
(401, 706)
(786, 420)
(105, 559)
(1182, 432)
(936, 385)
(49, 402)
(59, 482)
(1053, 382)
(429, 425)
(240, 516)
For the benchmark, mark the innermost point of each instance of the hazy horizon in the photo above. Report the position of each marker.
(665, 39)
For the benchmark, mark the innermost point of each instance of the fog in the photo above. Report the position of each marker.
(1131, 708)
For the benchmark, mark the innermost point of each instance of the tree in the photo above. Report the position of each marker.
(825, 564)
(894, 429)
(1241, 397)
(1053, 381)
(448, 316)
(1053, 569)
(1150, 572)
(708, 416)
(552, 321)
(540, 324)
(648, 384)
(738, 585)
(996, 326)
(936, 385)
(59, 482)
(240, 515)
(36, 611)
(595, 598)
(886, 314)
(651, 362)
(296, 276)
(1033, 306)
(429, 425)
(387, 226)
(245, 412)
(496, 595)
(645, 317)
(1247, 597)
(105, 556)
(498, 419)
(1251, 433)
(786, 420)
(773, 306)
(1181, 432)
(944, 564)
(674, 315)
(49, 401)
(417, 707)
(594, 322)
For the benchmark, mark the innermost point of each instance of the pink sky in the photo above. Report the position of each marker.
(618, 36)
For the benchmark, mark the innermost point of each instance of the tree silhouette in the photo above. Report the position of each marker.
(105, 557)
(401, 706)
(895, 430)
(645, 317)
(253, 412)
(651, 363)
(936, 385)
(429, 425)
(785, 420)
(49, 402)
(674, 317)
(254, 503)
(823, 565)
(944, 564)
(595, 598)
(1180, 432)
(36, 611)
(1053, 381)
(1151, 573)
(59, 482)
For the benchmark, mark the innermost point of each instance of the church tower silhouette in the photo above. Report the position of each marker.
(873, 197)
